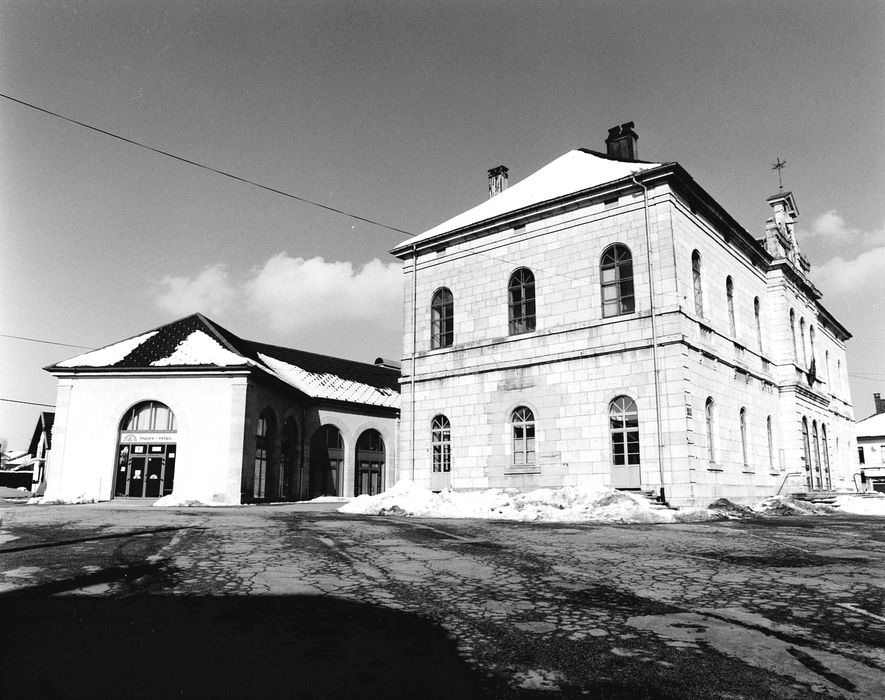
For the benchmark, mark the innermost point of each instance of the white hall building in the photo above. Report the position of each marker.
(606, 322)
(193, 411)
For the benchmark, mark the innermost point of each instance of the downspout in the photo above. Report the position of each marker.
(414, 345)
(654, 337)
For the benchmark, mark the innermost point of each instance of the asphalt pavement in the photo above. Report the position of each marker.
(299, 601)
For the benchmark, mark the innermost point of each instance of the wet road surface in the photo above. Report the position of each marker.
(301, 601)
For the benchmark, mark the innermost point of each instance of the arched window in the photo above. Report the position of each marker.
(815, 455)
(811, 361)
(624, 427)
(758, 316)
(770, 432)
(264, 439)
(289, 462)
(149, 416)
(616, 279)
(793, 335)
(744, 450)
(326, 461)
(729, 298)
(697, 283)
(827, 478)
(521, 301)
(839, 374)
(442, 312)
(441, 444)
(369, 468)
(802, 355)
(523, 422)
(710, 418)
(827, 363)
(806, 448)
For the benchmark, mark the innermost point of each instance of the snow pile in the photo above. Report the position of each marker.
(111, 355)
(174, 501)
(566, 504)
(71, 501)
(861, 505)
(199, 349)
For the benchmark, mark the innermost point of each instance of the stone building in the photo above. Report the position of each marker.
(606, 322)
(190, 409)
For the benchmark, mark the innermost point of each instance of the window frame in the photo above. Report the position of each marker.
(623, 422)
(442, 319)
(441, 444)
(710, 424)
(621, 263)
(521, 302)
(697, 283)
(729, 298)
(523, 437)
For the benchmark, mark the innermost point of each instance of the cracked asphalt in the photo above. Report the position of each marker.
(300, 601)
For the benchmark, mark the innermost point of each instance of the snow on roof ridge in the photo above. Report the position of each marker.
(571, 172)
(109, 354)
(199, 348)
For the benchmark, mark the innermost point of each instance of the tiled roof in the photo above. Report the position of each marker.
(195, 341)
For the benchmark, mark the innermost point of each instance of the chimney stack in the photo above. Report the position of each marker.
(497, 180)
(879, 402)
(622, 142)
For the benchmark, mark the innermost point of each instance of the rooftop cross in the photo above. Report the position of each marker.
(779, 165)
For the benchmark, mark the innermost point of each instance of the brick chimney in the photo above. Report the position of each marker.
(622, 142)
(879, 403)
(497, 180)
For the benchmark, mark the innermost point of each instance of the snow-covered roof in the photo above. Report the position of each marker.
(872, 426)
(197, 342)
(572, 172)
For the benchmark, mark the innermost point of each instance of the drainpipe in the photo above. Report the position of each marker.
(654, 336)
(414, 344)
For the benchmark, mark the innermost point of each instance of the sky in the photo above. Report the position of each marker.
(394, 111)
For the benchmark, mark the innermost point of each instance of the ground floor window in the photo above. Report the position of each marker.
(441, 444)
(326, 461)
(369, 472)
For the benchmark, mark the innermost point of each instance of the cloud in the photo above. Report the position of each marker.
(831, 228)
(210, 292)
(294, 293)
(291, 294)
(852, 281)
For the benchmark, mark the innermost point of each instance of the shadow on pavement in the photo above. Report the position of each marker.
(223, 647)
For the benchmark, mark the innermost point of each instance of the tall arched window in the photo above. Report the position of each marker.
(523, 423)
(624, 427)
(441, 444)
(839, 375)
(729, 298)
(616, 279)
(326, 461)
(770, 432)
(442, 312)
(264, 439)
(709, 410)
(758, 316)
(289, 462)
(802, 355)
(697, 283)
(811, 361)
(793, 335)
(369, 467)
(521, 301)
(827, 363)
(744, 450)
(806, 447)
(815, 455)
(827, 479)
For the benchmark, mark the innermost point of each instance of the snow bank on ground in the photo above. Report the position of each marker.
(567, 504)
(174, 501)
(862, 505)
(328, 499)
(575, 504)
(69, 501)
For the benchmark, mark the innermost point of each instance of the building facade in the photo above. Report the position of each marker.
(871, 448)
(191, 410)
(606, 322)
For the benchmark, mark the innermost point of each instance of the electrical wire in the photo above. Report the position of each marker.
(29, 403)
(47, 342)
(207, 167)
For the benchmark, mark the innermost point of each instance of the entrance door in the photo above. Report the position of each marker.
(624, 429)
(370, 459)
(145, 471)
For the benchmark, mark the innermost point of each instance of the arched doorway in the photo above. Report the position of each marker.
(369, 472)
(326, 461)
(265, 475)
(289, 462)
(146, 456)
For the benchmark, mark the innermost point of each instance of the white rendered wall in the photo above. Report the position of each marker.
(209, 411)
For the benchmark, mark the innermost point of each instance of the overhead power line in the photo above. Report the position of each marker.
(29, 403)
(47, 342)
(207, 167)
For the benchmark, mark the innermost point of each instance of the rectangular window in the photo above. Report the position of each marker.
(860, 455)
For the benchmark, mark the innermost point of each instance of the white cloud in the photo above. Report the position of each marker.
(210, 292)
(854, 280)
(831, 228)
(294, 293)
